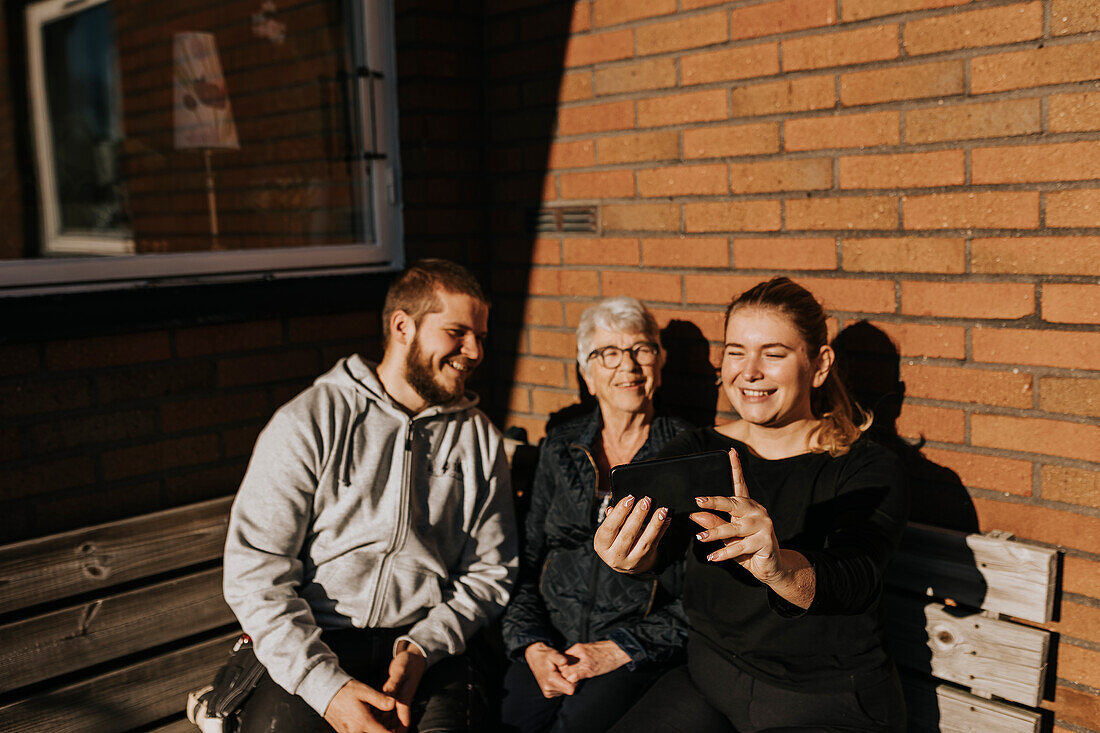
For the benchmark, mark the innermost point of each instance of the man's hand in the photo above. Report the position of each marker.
(358, 708)
(406, 669)
(592, 660)
(546, 665)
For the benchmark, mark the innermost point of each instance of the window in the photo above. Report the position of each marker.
(190, 139)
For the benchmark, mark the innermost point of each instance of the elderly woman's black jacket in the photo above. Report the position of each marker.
(566, 594)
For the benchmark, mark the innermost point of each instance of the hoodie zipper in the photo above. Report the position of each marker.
(400, 529)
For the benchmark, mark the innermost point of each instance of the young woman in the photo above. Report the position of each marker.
(784, 578)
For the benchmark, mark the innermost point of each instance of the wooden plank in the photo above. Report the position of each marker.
(118, 701)
(950, 710)
(80, 636)
(1001, 658)
(183, 725)
(62, 565)
(994, 574)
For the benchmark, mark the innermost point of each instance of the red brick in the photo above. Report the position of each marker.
(1036, 255)
(744, 62)
(1074, 112)
(1035, 68)
(1070, 396)
(690, 32)
(601, 251)
(977, 386)
(36, 397)
(575, 85)
(866, 130)
(1071, 303)
(262, 368)
(562, 282)
(931, 423)
(850, 294)
(905, 254)
(1042, 524)
(872, 43)
(906, 170)
(967, 300)
(934, 341)
(731, 140)
(1079, 208)
(784, 254)
(985, 472)
(662, 145)
(1076, 621)
(151, 382)
(972, 121)
(103, 427)
(1069, 349)
(863, 212)
(103, 351)
(613, 12)
(778, 97)
(716, 289)
(678, 109)
(1071, 485)
(863, 9)
(1074, 16)
(356, 325)
(538, 312)
(55, 475)
(709, 323)
(576, 154)
(597, 184)
(217, 410)
(596, 118)
(596, 48)
(1026, 163)
(1074, 707)
(686, 252)
(1079, 665)
(529, 370)
(1036, 435)
(562, 344)
(940, 79)
(784, 16)
(781, 175)
(519, 399)
(160, 456)
(1081, 576)
(732, 216)
(977, 210)
(986, 27)
(546, 402)
(654, 286)
(684, 180)
(635, 76)
(640, 217)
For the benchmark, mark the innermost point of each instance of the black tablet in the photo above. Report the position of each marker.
(674, 482)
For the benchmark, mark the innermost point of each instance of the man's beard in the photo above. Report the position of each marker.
(421, 377)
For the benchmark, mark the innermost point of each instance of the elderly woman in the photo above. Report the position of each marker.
(586, 641)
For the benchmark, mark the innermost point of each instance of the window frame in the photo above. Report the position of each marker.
(374, 108)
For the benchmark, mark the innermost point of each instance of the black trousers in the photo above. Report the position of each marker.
(451, 695)
(710, 695)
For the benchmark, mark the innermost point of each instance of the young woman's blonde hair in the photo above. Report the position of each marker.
(842, 420)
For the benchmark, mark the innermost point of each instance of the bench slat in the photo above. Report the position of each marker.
(134, 696)
(950, 710)
(998, 657)
(80, 636)
(62, 565)
(998, 575)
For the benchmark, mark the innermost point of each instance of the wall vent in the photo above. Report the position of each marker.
(562, 219)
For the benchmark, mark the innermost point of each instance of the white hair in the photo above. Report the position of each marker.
(623, 314)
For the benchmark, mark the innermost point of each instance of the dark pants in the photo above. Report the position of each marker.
(710, 695)
(450, 697)
(594, 707)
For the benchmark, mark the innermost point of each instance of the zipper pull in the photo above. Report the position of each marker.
(604, 505)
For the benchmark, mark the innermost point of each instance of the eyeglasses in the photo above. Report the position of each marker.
(643, 354)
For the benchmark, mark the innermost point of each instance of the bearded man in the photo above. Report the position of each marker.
(373, 533)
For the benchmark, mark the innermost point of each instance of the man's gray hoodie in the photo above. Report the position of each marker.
(354, 514)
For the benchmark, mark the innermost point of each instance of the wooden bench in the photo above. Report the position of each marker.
(107, 628)
(967, 665)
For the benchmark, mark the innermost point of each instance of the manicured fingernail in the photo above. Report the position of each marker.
(712, 556)
(662, 514)
(645, 503)
(701, 500)
(702, 535)
(628, 500)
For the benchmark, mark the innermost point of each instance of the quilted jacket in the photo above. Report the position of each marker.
(566, 594)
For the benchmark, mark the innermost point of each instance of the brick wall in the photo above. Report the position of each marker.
(928, 168)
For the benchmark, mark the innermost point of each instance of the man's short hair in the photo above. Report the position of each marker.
(415, 290)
